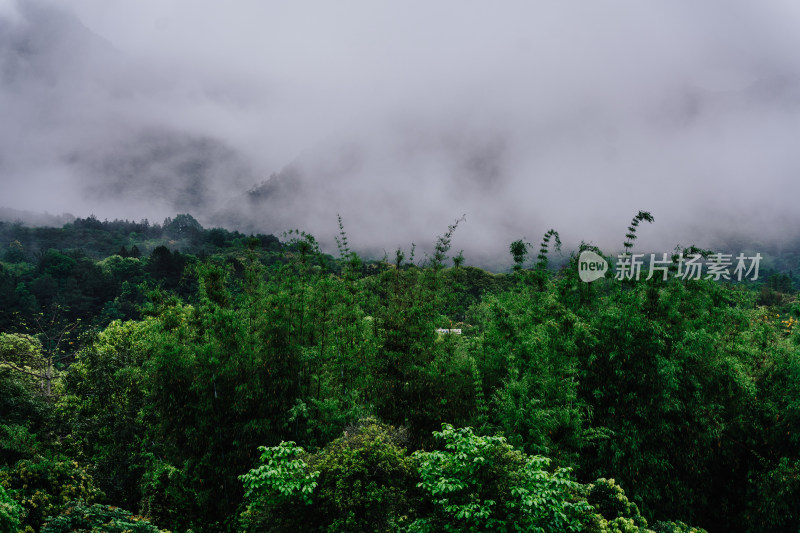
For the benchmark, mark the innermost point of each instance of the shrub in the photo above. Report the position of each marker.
(79, 518)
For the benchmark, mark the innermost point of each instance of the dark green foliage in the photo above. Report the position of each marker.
(167, 494)
(418, 379)
(44, 486)
(529, 369)
(774, 496)
(203, 417)
(610, 501)
(183, 227)
(166, 267)
(80, 518)
(341, 241)
(646, 382)
(676, 527)
(24, 417)
(82, 266)
(361, 481)
(519, 250)
(674, 376)
(15, 253)
(780, 283)
(366, 480)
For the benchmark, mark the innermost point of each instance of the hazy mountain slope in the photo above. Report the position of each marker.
(79, 138)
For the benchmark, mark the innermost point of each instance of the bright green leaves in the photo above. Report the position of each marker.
(281, 476)
(480, 483)
(549, 499)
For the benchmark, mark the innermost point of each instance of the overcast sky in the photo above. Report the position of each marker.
(405, 115)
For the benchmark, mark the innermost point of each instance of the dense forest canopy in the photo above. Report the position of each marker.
(169, 377)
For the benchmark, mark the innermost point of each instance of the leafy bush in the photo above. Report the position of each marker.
(281, 477)
(80, 518)
(483, 484)
(610, 501)
(10, 513)
(366, 481)
(362, 481)
(676, 527)
(44, 486)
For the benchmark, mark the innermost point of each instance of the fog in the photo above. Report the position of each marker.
(403, 116)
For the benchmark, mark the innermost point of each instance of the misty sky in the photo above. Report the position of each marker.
(402, 116)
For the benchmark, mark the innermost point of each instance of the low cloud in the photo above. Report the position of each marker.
(402, 117)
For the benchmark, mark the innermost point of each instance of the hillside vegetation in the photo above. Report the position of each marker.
(175, 378)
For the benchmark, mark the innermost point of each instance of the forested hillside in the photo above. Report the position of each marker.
(167, 377)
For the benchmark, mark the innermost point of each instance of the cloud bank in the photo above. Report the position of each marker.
(403, 116)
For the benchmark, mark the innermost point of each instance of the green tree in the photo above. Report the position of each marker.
(15, 253)
(541, 260)
(418, 379)
(104, 394)
(669, 374)
(183, 227)
(25, 417)
(222, 377)
(23, 354)
(527, 358)
(276, 491)
(519, 250)
(362, 481)
(631, 235)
